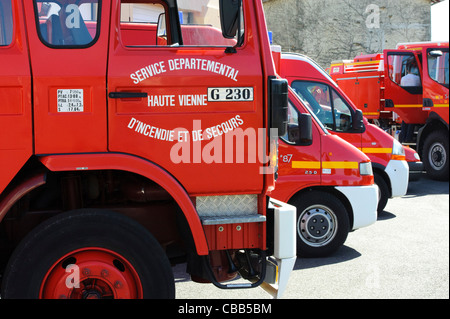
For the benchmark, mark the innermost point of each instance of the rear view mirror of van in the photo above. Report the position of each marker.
(358, 123)
(305, 123)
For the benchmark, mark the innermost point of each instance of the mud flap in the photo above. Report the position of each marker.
(279, 267)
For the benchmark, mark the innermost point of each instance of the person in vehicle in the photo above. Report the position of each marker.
(412, 78)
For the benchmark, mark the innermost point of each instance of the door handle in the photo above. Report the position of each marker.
(389, 103)
(427, 102)
(127, 95)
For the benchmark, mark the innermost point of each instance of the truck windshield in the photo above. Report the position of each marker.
(438, 66)
(65, 24)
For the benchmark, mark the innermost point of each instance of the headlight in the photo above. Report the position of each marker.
(365, 168)
(416, 156)
(398, 151)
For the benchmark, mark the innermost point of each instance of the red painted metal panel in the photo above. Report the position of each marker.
(15, 99)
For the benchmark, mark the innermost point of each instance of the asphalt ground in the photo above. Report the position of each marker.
(404, 255)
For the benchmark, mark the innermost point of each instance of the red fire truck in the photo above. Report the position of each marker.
(329, 181)
(408, 85)
(119, 159)
(393, 164)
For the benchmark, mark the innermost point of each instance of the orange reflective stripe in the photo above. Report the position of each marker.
(344, 165)
(408, 105)
(398, 157)
(329, 165)
(376, 150)
(307, 165)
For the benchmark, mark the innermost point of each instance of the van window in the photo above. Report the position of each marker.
(318, 99)
(148, 24)
(63, 23)
(291, 136)
(328, 106)
(6, 23)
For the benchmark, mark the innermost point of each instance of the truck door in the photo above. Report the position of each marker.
(15, 88)
(68, 53)
(403, 83)
(178, 97)
(436, 82)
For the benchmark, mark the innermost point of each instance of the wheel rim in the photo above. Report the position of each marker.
(317, 225)
(437, 156)
(91, 273)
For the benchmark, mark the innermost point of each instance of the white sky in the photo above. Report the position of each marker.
(439, 21)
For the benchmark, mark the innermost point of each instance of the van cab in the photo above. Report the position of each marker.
(329, 181)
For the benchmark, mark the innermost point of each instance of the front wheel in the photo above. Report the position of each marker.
(88, 254)
(322, 224)
(436, 156)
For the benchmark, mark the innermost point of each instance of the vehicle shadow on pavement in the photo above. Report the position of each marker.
(180, 274)
(385, 215)
(426, 186)
(343, 254)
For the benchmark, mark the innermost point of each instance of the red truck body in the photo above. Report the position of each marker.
(97, 131)
(294, 184)
(379, 86)
(388, 157)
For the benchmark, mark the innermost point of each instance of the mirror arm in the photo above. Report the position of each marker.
(231, 50)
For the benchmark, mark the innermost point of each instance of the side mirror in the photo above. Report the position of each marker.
(279, 104)
(162, 30)
(229, 17)
(305, 123)
(358, 122)
(435, 53)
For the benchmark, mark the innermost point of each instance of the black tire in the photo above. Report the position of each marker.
(383, 192)
(63, 234)
(324, 209)
(436, 156)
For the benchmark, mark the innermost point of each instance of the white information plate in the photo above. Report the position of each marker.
(230, 94)
(70, 100)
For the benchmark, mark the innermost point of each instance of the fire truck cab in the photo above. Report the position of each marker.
(417, 90)
(120, 158)
(405, 87)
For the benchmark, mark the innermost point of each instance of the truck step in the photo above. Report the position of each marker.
(224, 220)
